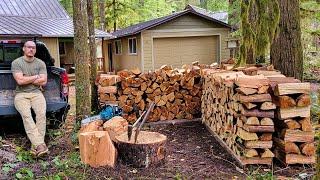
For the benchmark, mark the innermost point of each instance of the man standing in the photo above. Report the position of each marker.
(30, 74)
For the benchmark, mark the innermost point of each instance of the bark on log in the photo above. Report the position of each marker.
(150, 149)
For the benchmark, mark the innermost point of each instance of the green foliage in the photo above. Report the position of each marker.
(23, 155)
(8, 167)
(24, 173)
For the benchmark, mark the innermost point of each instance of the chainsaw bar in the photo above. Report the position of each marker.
(90, 119)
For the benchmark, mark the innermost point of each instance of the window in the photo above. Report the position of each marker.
(118, 46)
(62, 48)
(132, 45)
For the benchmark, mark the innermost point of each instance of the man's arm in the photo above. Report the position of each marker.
(24, 80)
(41, 81)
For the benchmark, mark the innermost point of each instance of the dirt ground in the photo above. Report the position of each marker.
(192, 153)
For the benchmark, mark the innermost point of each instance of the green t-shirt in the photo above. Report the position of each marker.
(35, 67)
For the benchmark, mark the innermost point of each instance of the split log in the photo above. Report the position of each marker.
(306, 124)
(252, 81)
(97, 149)
(92, 126)
(245, 135)
(288, 159)
(265, 137)
(280, 80)
(149, 150)
(116, 126)
(249, 105)
(255, 98)
(285, 101)
(108, 80)
(107, 89)
(292, 88)
(287, 147)
(263, 89)
(297, 136)
(294, 112)
(254, 121)
(266, 122)
(267, 106)
(303, 100)
(250, 153)
(258, 144)
(308, 149)
(292, 124)
(267, 154)
(246, 91)
(258, 113)
(258, 128)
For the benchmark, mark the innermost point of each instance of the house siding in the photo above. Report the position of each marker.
(53, 47)
(126, 60)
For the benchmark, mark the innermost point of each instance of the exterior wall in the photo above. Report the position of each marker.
(149, 35)
(184, 26)
(53, 46)
(105, 55)
(126, 60)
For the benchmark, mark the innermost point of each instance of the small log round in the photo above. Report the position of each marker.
(149, 150)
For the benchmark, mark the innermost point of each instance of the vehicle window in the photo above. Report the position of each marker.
(11, 53)
(1, 54)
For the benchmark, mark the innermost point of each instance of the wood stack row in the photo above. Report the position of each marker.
(107, 88)
(240, 112)
(176, 92)
(256, 123)
(294, 141)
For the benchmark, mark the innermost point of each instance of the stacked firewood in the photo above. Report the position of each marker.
(294, 141)
(238, 109)
(257, 119)
(107, 88)
(176, 92)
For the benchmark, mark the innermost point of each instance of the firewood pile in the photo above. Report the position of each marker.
(239, 109)
(294, 140)
(176, 92)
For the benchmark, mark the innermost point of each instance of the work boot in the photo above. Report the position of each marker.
(42, 150)
(33, 150)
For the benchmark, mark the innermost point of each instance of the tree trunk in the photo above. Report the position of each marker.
(83, 103)
(252, 18)
(93, 58)
(286, 49)
(114, 16)
(102, 13)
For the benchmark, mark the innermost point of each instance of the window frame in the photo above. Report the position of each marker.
(129, 48)
(64, 52)
(119, 49)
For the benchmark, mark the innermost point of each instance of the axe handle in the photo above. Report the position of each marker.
(144, 119)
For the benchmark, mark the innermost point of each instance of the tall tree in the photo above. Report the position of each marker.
(102, 15)
(286, 49)
(81, 55)
(93, 58)
(258, 34)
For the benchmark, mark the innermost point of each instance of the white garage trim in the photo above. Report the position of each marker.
(188, 30)
(190, 33)
(142, 52)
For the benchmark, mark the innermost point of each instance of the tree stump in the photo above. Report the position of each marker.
(97, 149)
(149, 150)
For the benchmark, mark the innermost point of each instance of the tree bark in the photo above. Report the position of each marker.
(93, 58)
(286, 49)
(252, 18)
(103, 24)
(83, 103)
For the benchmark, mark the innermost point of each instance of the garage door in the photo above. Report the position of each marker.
(177, 51)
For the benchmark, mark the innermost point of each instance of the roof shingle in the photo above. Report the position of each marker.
(45, 18)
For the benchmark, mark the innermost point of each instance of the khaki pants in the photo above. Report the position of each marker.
(23, 103)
